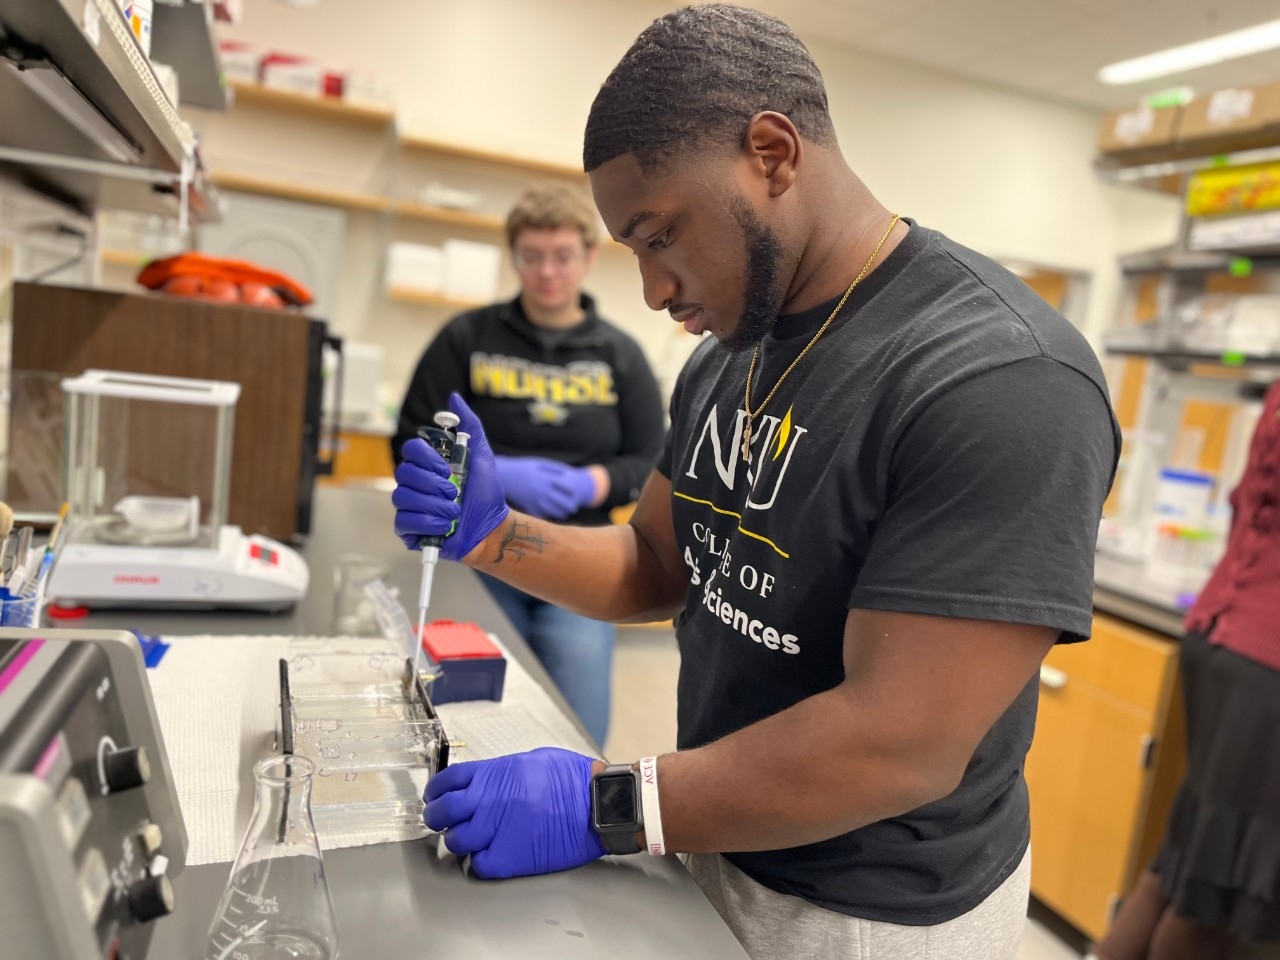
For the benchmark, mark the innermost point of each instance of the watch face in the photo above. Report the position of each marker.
(616, 800)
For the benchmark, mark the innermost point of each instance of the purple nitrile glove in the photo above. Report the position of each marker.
(517, 815)
(423, 496)
(547, 489)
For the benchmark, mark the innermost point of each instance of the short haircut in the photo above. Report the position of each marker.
(696, 77)
(551, 207)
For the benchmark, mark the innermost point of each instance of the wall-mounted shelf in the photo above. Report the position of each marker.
(265, 186)
(475, 221)
(456, 218)
(349, 200)
(426, 298)
(123, 258)
(332, 108)
(329, 108)
(413, 143)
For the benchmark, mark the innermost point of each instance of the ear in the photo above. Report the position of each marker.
(773, 146)
(592, 254)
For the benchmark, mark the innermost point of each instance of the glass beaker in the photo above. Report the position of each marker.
(276, 905)
(353, 613)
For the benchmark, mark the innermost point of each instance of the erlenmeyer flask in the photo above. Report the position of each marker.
(276, 905)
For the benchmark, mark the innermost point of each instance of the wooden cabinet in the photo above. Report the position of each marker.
(1106, 762)
(359, 457)
(274, 355)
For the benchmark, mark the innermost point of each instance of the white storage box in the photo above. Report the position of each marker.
(415, 266)
(471, 270)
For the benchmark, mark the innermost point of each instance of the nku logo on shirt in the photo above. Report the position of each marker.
(773, 442)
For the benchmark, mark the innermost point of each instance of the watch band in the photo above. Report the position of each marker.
(621, 840)
(650, 810)
(619, 843)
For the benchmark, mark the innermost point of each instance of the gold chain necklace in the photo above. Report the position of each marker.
(755, 356)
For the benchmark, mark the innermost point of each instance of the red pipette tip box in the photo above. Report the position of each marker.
(472, 665)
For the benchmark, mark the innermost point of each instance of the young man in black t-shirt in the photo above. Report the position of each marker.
(874, 515)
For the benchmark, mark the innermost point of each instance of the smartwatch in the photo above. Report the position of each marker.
(615, 808)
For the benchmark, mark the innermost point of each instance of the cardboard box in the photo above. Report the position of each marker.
(239, 61)
(1239, 118)
(1139, 129)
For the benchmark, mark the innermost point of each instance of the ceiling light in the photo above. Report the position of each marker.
(1202, 53)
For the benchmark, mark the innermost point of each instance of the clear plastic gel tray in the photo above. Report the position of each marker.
(342, 745)
(375, 702)
(373, 744)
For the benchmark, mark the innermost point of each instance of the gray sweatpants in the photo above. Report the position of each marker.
(774, 926)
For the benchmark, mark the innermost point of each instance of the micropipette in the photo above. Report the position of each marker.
(445, 439)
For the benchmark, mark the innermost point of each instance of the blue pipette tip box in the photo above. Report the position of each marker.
(472, 667)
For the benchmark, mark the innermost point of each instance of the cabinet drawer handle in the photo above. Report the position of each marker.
(1052, 677)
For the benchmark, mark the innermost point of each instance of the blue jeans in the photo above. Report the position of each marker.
(576, 651)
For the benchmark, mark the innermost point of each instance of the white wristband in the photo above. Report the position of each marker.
(649, 807)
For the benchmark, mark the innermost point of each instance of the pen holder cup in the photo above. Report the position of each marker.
(21, 611)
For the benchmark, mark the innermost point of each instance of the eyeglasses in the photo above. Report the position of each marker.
(560, 259)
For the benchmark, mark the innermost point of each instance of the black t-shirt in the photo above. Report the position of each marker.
(944, 449)
(582, 396)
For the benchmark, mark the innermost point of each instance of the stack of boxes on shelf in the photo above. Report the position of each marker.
(296, 73)
(460, 272)
(1223, 121)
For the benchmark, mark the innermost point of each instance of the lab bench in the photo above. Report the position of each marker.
(403, 899)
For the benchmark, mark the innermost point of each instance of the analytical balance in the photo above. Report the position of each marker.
(146, 474)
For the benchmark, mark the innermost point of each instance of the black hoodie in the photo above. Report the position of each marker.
(582, 396)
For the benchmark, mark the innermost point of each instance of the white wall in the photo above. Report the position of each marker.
(1006, 173)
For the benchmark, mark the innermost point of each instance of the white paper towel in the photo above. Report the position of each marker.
(217, 699)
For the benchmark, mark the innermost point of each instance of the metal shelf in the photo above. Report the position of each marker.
(1172, 260)
(1170, 176)
(1185, 356)
(85, 121)
(96, 64)
(204, 203)
(1256, 233)
(182, 36)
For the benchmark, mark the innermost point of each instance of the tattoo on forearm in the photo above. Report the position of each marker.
(519, 539)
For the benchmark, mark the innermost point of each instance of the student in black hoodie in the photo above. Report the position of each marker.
(570, 407)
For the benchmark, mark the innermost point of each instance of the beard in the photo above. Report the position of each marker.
(762, 295)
